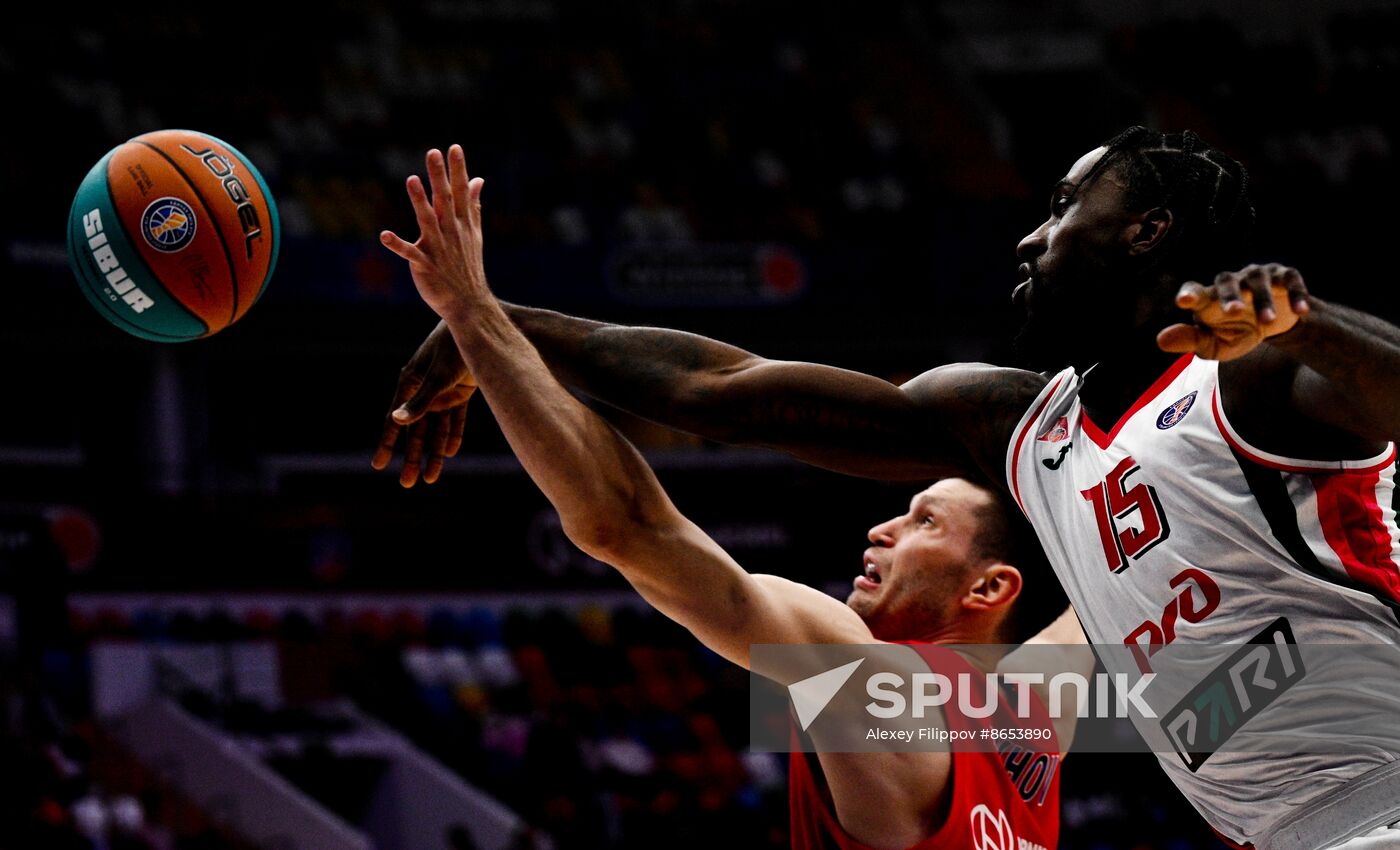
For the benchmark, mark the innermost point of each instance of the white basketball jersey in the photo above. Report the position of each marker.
(1169, 529)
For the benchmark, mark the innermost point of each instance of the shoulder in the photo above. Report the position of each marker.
(978, 384)
(980, 404)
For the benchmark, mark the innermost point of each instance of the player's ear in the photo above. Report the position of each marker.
(1149, 230)
(997, 585)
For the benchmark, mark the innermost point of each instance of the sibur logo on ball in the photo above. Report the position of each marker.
(168, 224)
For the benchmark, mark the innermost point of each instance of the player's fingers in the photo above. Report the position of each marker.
(1183, 338)
(474, 189)
(403, 248)
(433, 469)
(408, 382)
(457, 176)
(388, 436)
(422, 208)
(417, 404)
(1227, 290)
(1192, 296)
(1292, 281)
(1258, 280)
(437, 447)
(456, 427)
(412, 455)
(442, 188)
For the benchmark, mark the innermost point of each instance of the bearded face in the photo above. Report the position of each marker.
(1081, 284)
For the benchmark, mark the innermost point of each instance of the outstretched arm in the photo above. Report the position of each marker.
(608, 499)
(953, 421)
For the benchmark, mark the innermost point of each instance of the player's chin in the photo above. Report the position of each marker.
(866, 601)
(862, 602)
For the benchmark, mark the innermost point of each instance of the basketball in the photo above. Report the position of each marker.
(173, 236)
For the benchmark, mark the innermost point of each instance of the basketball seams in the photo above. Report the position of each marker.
(268, 213)
(214, 222)
(269, 207)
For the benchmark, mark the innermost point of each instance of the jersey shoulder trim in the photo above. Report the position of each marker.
(1022, 429)
(1291, 464)
(1103, 440)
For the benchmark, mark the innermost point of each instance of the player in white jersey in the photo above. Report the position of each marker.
(1184, 500)
(1299, 547)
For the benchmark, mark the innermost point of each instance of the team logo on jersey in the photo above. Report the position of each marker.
(1176, 411)
(168, 224)
(1058, 432)
(991, 830)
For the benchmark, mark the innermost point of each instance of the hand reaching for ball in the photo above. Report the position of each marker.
(445, 261)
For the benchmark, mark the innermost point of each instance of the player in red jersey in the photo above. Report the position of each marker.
(942, 573)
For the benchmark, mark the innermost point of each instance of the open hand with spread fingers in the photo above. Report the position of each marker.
(1237, 312)
(446, 260)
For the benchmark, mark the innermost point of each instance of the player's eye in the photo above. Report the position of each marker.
(1060, 203)
(928, 520)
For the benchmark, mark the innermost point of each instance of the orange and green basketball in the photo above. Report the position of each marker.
(173, 236)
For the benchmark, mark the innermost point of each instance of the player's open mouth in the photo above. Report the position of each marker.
(870, 579)
(1026, 277)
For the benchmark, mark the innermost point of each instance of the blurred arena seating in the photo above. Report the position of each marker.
(836, 161)
(530, 706)
(599, 718)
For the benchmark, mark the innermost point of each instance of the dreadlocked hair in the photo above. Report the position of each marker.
(1206, 191)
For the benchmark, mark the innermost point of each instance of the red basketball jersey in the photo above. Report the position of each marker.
(1008, 800)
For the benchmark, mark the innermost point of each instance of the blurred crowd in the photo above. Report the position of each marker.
(720, 121)
(64, 785)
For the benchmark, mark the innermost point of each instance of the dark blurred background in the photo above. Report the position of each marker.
(842, 182)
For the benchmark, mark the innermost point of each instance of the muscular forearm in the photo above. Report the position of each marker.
(585, 468)
(656, 373)
(608, 498)
(830, 417)
(1358, 356)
